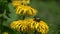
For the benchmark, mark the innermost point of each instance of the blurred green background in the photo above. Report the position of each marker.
(48, 10)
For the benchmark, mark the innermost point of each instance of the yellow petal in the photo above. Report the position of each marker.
(30, 12)
(43, 28)
(24, 11)
(21, 10)
(34, 11)
(17, 10)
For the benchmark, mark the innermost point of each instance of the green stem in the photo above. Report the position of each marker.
(1, 23)
(22, 33)
(23, 17)
(35, 32)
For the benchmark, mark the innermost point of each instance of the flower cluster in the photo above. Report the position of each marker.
(29, 24)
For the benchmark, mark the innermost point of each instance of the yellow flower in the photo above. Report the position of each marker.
(26, 10)
(42, 27)
(31, 23)
(18, 25)
(22, 8)
(5, 33)
(20, 2)
(16, 3)
(25, 2)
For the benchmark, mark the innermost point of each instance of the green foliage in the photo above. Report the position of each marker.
(49, 11)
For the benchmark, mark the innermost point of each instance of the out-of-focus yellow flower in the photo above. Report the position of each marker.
(22, 8)
(25, 2)
(16, 3)
(20, 2)
(26, 10)
(42, 27)
(18, 25)
(5, 33)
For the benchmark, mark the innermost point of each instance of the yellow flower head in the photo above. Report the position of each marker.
(16, 3)
(26, 10)
(42, 27)
(25, 2)
(31, 23)
(5, 33)
(18, 25)
(20, 2)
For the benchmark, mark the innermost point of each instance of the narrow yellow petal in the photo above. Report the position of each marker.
(17, 10)
(21, 11)
(34, 11)
(30, 12)
(24, 12)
